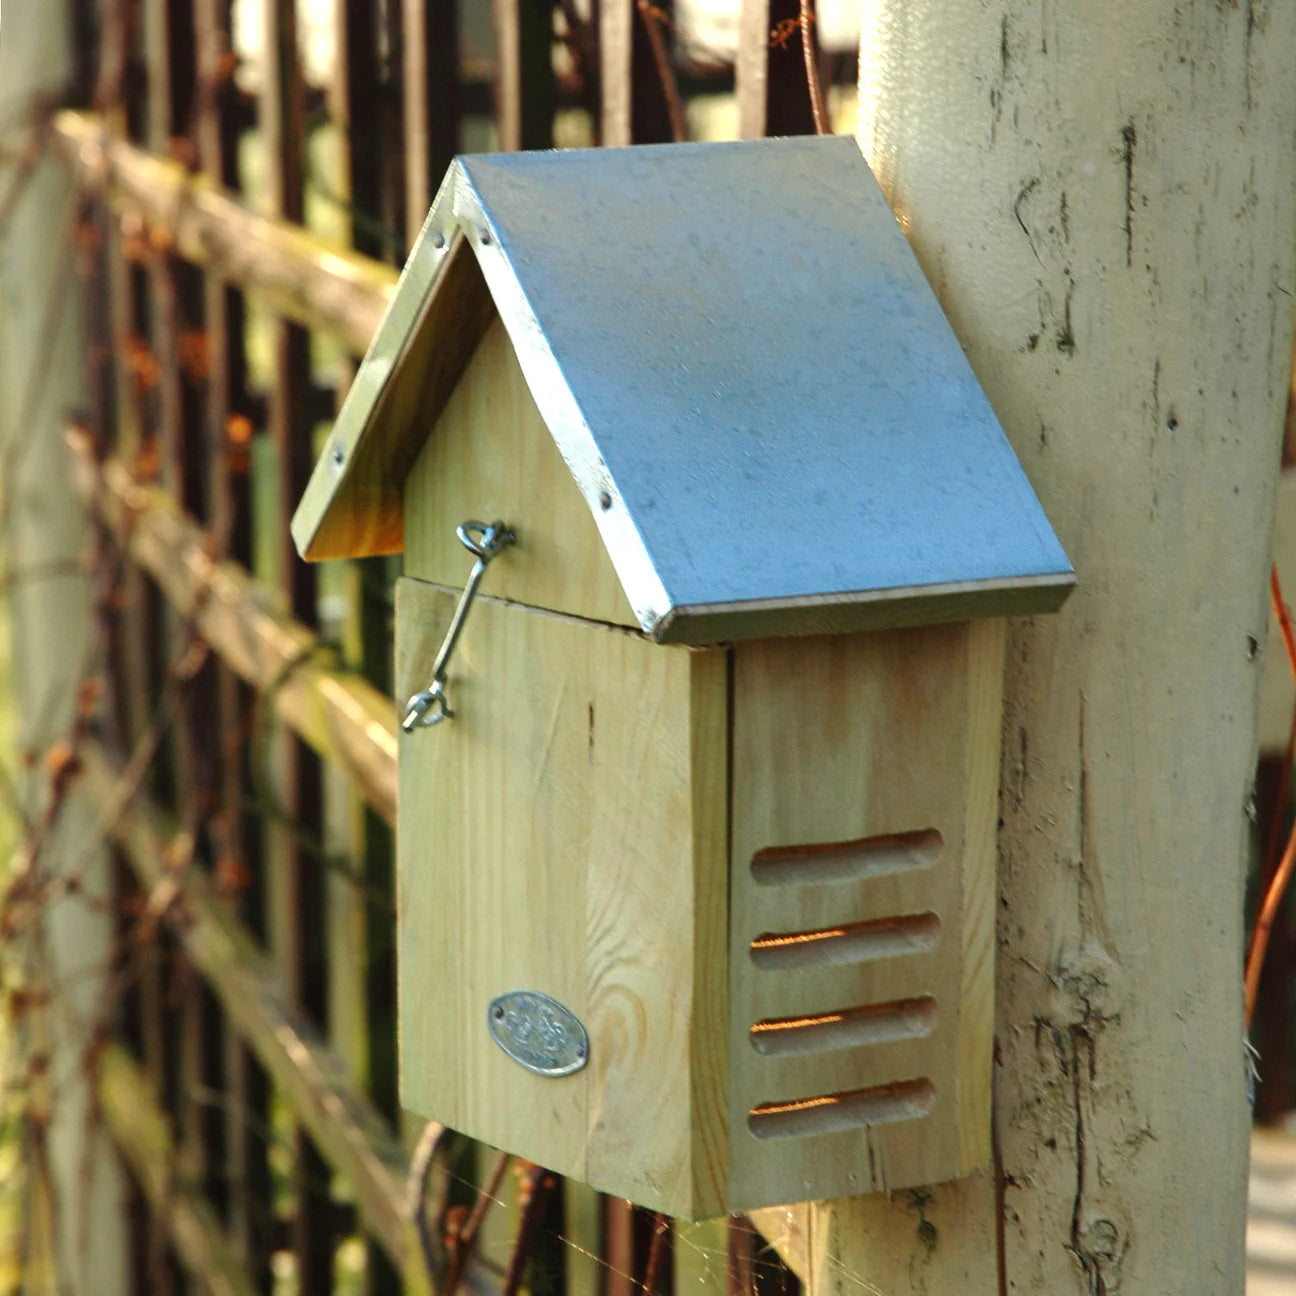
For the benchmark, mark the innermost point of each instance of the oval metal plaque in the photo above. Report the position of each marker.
(538, 1032)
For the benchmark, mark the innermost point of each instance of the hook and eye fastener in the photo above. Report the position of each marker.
(486, 542)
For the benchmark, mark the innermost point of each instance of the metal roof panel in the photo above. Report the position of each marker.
(754, 386)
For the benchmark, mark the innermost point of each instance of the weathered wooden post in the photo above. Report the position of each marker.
(1102, 196)
(42, 368)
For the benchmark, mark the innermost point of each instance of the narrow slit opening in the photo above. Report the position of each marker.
(835, 1113)
(849, 1028)
(867, 857)
(847, 943)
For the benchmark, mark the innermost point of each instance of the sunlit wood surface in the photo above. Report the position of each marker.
(1271, 1215)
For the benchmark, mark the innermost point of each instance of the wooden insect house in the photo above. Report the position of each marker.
(708, 534)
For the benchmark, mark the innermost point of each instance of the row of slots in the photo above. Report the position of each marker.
(860, 942)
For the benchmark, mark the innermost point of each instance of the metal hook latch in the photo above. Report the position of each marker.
(430, 706)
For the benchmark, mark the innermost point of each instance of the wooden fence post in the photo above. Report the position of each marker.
(45, 541)
(1103, 197)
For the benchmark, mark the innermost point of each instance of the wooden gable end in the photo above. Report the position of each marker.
(360, 513)
(490, 456)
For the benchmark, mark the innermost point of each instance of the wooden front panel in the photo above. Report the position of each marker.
(490, 456)
(864, 797)
(566, 833)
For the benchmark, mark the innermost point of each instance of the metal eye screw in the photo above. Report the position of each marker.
(486, 542)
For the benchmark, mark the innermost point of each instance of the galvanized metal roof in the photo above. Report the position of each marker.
(750, 380)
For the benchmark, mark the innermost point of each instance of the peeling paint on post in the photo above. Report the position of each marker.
(1109, 223)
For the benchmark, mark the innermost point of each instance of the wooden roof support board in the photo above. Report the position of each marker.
(141, 1130)
(297, 274)
(353, 1137)
(338, 714)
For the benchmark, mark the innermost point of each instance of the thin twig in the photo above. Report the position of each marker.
(461, 1245)
(1284, 619)
(1273, 887)
(532, 1194)
(1273, 838)
(656, 1250)
(1264, 923)
(652, 16)
(812, 68)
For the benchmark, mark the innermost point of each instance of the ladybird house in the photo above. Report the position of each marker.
(708, 534)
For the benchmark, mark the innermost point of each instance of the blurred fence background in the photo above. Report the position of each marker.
(246, 177)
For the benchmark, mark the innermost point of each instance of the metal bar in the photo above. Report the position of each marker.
(431, 102)
(132, 623)
(141, 1130)
(176, 319)
(640, 93)
(432, 706)
(164, 426)
(245, 1113)
(362, 989)
(357, 1142)
(296, 896)
(297, 274)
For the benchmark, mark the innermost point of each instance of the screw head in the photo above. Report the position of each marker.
(338, 454)
(438, 240)
(605, 500)
(485, 237)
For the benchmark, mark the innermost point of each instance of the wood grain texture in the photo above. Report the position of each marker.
(362, 513)
(561, 834)
(491, 456)
(835, 740)
(1111, 238)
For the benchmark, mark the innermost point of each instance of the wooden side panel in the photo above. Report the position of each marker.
(839, 745)
(491, 456)
(548, 836)
(975, 1062)
(708, 1047)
